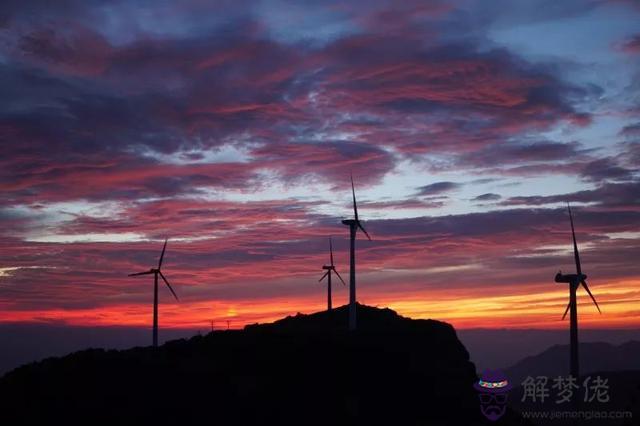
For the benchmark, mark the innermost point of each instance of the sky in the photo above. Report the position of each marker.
(232, 127)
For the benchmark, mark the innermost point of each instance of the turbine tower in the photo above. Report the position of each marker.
(156, 272)
(327, 274)
(574, 281)
(353, 225)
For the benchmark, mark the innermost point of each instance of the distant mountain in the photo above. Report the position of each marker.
(302, 370)
(487, 346)
(594, 357)
(616, 365)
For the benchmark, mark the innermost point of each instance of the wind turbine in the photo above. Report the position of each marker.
(574, 281)
(327, 274)
(156, 272)
(353, 225)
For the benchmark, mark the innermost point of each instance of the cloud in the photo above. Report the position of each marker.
(488, 197)
(605, 169)
(630, 156)
(632, 130)
(631, 45)
(71, 49)
(330, 159)
(97, 102)
(403, 204)
(438, 188)
(617, 195)
(516, 153)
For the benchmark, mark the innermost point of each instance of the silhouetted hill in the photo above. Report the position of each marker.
(301, 370)
(593, 357)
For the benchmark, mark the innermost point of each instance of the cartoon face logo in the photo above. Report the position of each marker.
(493, 389)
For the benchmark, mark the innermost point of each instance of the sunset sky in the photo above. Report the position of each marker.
(231, 127)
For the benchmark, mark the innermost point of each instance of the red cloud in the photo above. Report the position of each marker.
(630, 45)
(67, 47)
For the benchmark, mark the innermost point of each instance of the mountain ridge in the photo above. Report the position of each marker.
(303, 369)
(594, 357)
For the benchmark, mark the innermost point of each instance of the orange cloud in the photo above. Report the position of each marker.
(530, 306)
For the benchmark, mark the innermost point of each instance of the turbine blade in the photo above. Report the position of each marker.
(324, 276)
(355, 206)
(343, 283)
(363, 230)
(169, 285)
(140, 273)
(576, 255)
(586, 287)
(162, 255)
(566, 310)
(331, 251)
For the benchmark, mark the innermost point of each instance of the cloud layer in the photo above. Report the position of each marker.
(233, 129)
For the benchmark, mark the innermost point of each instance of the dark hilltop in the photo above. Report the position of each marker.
(303, 370)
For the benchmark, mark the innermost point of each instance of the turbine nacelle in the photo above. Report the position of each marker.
(570, 278)
(328, 273)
